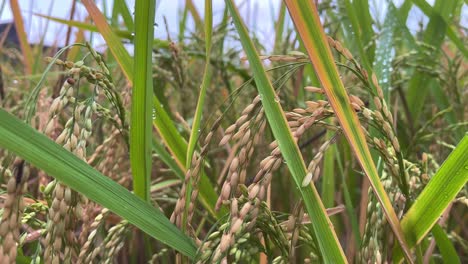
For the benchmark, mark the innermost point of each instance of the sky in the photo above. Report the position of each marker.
(263, 10)
(170, 9)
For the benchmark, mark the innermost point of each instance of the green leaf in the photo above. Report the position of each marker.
(142, 106)
(37, 149)
(121, 7)
(327, 241)
(448, 252)
(195, 132)
(354, 18)
(328, 177)
(167, 158)
(126, 34)
(168, 132)
(365, 26)
(436, 196)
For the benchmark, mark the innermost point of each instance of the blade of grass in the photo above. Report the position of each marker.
(195, 132)
(37, 149)
(195, 15)
(28, 59)
(405, 8)
(167, 158)
(328, 177)
(123, 10)
(324, 234)
(164, 185)
(365, 26)
(357, 36)
(126, 34)
(169, 133)
(305, 17)
(142, 107)
(448, 252)
(86, 26)
(436, 196)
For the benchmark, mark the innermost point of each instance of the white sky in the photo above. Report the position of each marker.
(171, 9)
(263, 10)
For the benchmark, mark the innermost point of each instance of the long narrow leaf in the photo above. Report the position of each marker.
(167, 158)
(436, 196)
(205, 83)
(126, 34)
(195, 15)
(323, 231)
(448, 252)
(307, 22)
(142, 106)
(195, 133)
(87, 26)
(37, 149)
(365, 26)
(357, 36)
(122, 7)
(174, 141)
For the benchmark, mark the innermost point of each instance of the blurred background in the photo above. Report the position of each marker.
(259, 16)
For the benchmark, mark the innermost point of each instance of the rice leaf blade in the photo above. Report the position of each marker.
(142, 106)
(39, 150)
(448, 252)
(436, 196)
(195, 132)
(323, 231)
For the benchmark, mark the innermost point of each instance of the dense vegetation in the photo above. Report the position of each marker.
(344, 140)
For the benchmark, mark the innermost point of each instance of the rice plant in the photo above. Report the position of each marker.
(341, 139)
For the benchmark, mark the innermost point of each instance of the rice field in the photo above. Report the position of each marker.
(341, 138)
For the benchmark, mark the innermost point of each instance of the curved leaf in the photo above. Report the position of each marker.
(323, 229)
(39, 150)
(439, 192)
